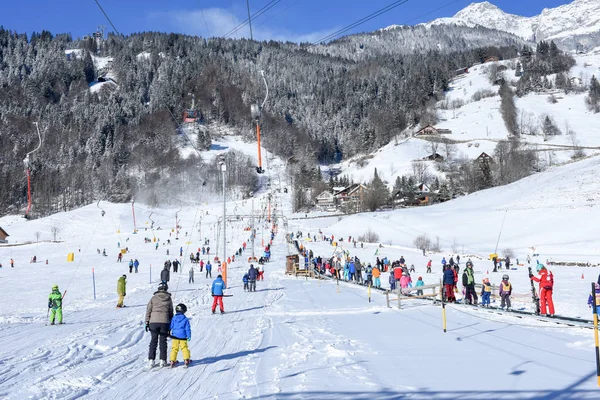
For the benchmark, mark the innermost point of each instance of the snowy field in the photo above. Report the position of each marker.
(296, 338)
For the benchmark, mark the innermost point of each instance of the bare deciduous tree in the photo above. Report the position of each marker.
(54, 231)
(422, 242)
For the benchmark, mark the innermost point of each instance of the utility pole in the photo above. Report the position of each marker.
(224, 262)
(253, 229)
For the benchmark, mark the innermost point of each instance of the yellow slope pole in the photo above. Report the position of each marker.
(596, 333)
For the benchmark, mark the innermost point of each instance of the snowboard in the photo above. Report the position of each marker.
(534, 296)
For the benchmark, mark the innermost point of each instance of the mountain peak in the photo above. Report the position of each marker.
(479, 9)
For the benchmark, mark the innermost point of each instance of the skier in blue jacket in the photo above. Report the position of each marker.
(252, 275)
(181, 333)
(217, 289)
(245, 280)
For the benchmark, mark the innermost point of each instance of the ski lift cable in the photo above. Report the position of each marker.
(183, 259)
(205, 24)
(361, 21)
(107, 17)
(257, 14)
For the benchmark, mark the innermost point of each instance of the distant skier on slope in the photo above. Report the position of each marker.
(165, 275)
(546, 281)
(252, 275)
(449, 280)
(468, 280)
(159, 313)
(505, 291)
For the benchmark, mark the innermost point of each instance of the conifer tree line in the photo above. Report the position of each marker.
(325, 102)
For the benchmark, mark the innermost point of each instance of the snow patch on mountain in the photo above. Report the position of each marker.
(580, 19)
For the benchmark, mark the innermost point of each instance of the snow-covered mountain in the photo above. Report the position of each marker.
(568, 25)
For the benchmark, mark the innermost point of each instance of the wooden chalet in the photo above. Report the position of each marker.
(491, 59)
(353, 194)
(483, 157)
(326, 200)
(3, 236)
(434, 157)
(431, 130)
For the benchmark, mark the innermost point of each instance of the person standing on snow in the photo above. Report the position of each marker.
(507, 262)
(191, 280)
(449, 284)
(595, 294)
(468, 279)
(252, 275)
(121, 290)
(546, 281)
(369, 273)
(181, 334)
(245, 280)
(208, 269)
(443, 263)
(486, 292)
(55, 305)
(428, 267)
(136, 264)
(165, 275)
(376, 279)
(505, 291)
(159, 313)
(217, 289)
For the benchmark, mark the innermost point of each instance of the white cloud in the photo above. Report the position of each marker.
(221, 21)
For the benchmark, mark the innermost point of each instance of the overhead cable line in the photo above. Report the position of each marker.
(107, 17)
(257, 14)
(205, 24)
(361, 21)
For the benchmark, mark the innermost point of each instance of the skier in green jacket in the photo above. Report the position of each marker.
(55, 305)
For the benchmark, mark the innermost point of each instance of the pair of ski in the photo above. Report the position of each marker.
(169, 366)
(534, 296)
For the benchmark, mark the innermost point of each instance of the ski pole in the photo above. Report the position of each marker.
(94, 282)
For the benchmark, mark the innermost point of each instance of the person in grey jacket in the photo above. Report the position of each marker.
(191, 280)
(165, 275)
(158, 321)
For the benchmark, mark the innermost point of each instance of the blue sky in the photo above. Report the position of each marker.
(296, 20)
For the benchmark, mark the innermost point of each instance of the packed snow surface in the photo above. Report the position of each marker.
(298, 337)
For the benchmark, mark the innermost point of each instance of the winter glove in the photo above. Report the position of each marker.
(124, 294)
(147, 326)
(212, 294)
(530, 276)
(49, 304)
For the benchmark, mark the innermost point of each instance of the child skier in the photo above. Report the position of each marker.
(245, 280)
(420, 283)
(392, 281)
(429, 267)
(181, 333)
(486, 292)
(591, 298)
(55, 305)
(546, 281)
(505, 291)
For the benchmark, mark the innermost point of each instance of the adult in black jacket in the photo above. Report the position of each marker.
(165, 274)
(252, 275)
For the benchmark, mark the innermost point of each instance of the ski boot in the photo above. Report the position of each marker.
(186, 363)
(150, 363)
(173, 364)
(163, 363)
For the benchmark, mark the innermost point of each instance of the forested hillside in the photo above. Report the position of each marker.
(111, 144)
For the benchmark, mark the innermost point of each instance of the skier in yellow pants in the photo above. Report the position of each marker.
(55, 305)
(181, 333)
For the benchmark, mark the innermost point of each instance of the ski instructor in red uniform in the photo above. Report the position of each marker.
(546, 281)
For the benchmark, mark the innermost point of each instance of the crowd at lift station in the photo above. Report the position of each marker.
(342, 266)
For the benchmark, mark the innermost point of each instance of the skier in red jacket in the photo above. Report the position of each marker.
(546, 281)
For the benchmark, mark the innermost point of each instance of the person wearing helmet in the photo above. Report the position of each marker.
(486, 292)
(55, 305)
(181, 333)
(596, 294)
(420, 283)
(217, 292)
(505, 292)
(121, 290)
(159, 313)
(468, 280)
(546, 281)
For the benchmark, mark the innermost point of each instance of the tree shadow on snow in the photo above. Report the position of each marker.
(239, 354)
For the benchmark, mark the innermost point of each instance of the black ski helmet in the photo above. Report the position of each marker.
(163, 287)
(504, 277)
(181, 308)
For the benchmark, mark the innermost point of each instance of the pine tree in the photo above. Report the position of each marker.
(593, 98)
